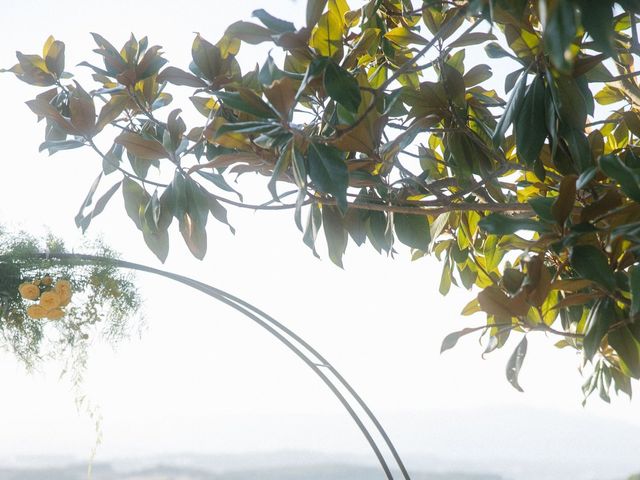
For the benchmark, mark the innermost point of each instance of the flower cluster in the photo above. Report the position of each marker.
(51, 297)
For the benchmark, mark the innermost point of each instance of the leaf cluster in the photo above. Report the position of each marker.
(382, 120)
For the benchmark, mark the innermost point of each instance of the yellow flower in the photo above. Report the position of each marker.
(63, 289)
(37, 311)
(50, 300)
(47, 280)
(29, 291)
(55, 314)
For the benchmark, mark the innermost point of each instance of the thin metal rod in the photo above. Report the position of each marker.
(272, 326)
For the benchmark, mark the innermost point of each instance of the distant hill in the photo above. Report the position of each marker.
(319, 472)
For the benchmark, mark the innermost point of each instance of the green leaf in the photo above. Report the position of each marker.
(328, 172)
(314, 70)
(247, 101)
(273, 23)
(530, 127)
(515, 364)
(511, 110)
(412, 230)
(314, 222)
(342, 87)
(279, 170)
(634, 284)
(206, 57)
(601, 316)
(591, 263)
(83, 221)
(377, 231)
(219, 212)
(154, 231)
(542, 206)
(628, 349)
(597, 19)
(614, 168)
(451, 340)
(335, 233)
(499, 224)
(135, 199)
(54, 146)
(495, 50)
(314, 12)
(560, 32)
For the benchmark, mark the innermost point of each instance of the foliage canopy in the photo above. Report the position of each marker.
(380, 118)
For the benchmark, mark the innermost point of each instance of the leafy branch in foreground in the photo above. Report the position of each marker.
(389, 132)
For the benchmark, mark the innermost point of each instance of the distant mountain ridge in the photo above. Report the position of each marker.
(318, 472)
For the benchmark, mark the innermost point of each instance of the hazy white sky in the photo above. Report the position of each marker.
(201, 374)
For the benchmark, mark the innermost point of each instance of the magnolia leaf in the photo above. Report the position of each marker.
(511, 111)
(142, 148)
(563, 205)
(530, 128)
(601, 316)
(412, 230)
(328, 172)
(451, 339)
(613, 167)
(515, 364)
(342, 87)
(111, 110)
(180, 77)
(335, 233)
(273, 23)
(591, 263)
(627, 347)
(634, 284)
(314, 11)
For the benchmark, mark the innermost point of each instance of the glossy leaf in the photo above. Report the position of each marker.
(515, 364)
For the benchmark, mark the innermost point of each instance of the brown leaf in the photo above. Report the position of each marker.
(494, 301)
(141, 147)
(538, 281)
(610, 200)
(228, 159)
(576, 299)
(32, 70)
(571, 285)
(83, 111)
(359, 139)
(281, 94)
(150, 64)
(41, 107)
(111, 110)
(563, 205)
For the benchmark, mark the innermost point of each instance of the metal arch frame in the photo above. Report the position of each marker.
(309, 355)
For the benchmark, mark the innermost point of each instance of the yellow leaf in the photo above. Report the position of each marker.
(404, 37)
(470, 308)
(47, 46)
(228, 45)
(326, 37)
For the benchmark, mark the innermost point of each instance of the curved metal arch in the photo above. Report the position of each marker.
(284, 335)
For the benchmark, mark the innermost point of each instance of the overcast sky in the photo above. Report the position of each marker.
(201, 374)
